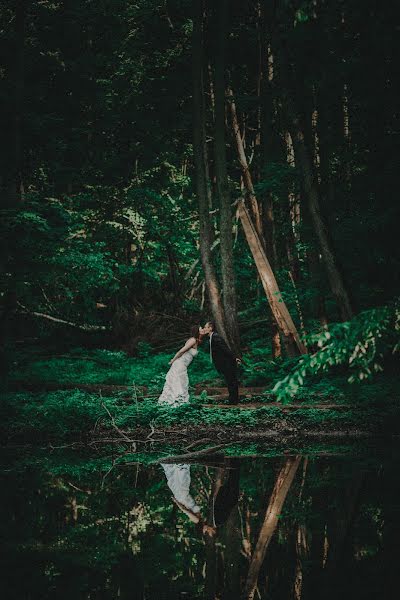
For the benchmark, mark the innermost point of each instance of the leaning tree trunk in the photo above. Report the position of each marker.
(247, 179)
(221, 172)
(253, 231)
(278, 307)
(266, 74)
(282, 486)
(201, 169)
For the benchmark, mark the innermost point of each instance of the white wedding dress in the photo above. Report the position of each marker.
(178, 480)
(176, 387)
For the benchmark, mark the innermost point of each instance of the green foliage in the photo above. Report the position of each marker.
(277, 178)
(97, 366)
(359, 344)
(57, 266)
(75, 415)
(144, 349)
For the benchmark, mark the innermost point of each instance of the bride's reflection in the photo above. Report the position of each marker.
(178, 480)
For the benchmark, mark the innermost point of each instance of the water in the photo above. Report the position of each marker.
(286, 526)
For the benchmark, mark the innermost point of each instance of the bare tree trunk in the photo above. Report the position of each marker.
(266, 130)
(279, 309)
(17, 187)
(12, 112)
(201, 168)
(337, 285)
(232, 557)
(253, 231)
(227, 268)
(210, 585)
(304, 162)
(293, 239)
(266, 110)
(281, 488)
(310, 184)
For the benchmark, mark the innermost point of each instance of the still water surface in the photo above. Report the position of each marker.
(288, 526)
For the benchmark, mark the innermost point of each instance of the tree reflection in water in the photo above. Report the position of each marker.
(287, 527)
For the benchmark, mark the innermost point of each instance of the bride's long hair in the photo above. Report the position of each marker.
(195, 332)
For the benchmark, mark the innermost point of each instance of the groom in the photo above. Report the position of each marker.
(224, 361)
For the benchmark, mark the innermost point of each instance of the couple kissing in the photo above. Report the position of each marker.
(176, 387)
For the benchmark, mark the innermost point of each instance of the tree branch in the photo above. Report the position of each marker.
(62, 321)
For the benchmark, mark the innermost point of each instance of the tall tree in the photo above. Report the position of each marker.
(304, 162)
(221, 172)
(266, 112)
(201, 169)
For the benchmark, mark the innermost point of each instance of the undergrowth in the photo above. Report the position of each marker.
(76, 414)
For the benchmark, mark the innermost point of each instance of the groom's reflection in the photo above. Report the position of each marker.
(225, 494)
(222, 568)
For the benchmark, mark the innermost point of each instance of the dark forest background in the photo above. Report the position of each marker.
(164, 162)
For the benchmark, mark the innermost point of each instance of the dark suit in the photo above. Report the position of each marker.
(225, 363)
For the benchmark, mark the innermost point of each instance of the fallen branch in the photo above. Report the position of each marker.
(121, 433)
(190, 455)
(198, 442)
(34, 313)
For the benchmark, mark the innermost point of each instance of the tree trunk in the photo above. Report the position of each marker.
(247, 179)
(282, 486)
(279, 310)
(201, 169)
(19, 94)
(266, 131)
(336, 282)
(232, 557)
(253, 231)
(293, 208)
(266, 135)
(227, 268)
(304, 163)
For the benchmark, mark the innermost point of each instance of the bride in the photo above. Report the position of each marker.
(176, 388)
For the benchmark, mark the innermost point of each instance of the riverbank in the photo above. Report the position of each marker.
(98, 397)
(84, 417)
